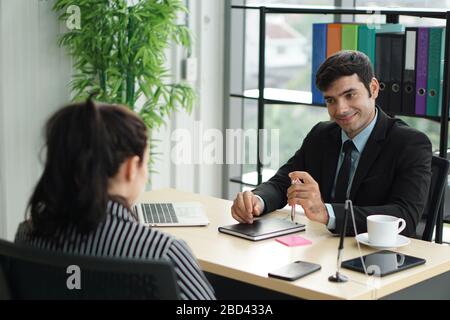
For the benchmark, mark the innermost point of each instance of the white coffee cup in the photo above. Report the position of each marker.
(383, 229)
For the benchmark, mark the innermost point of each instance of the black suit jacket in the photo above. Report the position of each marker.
(392, 177)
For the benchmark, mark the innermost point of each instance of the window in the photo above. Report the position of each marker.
(403, 3)
(429, 127)
(281, 50)
(288, 68)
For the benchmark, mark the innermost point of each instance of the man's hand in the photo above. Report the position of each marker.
(307, 194)
(245, 207)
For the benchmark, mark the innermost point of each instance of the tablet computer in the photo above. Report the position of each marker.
(383, 262)
(264, 228)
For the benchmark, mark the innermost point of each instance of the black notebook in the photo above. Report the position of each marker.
(262, 229)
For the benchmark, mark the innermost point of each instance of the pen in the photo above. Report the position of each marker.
(295, 181)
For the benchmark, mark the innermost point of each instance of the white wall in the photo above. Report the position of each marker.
(34, 77)
(34, 74)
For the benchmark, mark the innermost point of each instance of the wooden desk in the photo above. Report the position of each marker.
(249, 261)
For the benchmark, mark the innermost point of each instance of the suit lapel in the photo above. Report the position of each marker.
(332, 147)
(370, 152)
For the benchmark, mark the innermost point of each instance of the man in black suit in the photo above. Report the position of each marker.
(378, 162)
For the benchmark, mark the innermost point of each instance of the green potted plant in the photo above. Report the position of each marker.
(118, 51)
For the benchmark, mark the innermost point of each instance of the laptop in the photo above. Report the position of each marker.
(171, 214)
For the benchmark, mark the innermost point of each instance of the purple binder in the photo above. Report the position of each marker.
(422, 70)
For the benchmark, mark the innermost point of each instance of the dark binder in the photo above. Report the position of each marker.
(262, 229)
(422, 70)
(396, 70)
(382, 68)
(409, 72)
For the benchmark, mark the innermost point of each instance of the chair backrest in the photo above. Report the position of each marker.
(439, 172)
(30, 273)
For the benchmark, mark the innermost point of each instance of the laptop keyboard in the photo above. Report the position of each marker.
(159, 213)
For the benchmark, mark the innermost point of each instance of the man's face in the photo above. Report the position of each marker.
(349, 104)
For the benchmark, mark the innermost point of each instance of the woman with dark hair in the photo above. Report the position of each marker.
(95, 169)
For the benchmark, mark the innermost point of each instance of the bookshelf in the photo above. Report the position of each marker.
(295, 98)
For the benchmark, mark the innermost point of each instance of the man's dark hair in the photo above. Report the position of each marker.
(345, 63)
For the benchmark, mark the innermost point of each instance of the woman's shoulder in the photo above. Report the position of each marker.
(23, 231)
(149, 242)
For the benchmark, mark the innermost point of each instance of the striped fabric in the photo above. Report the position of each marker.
(120, 235)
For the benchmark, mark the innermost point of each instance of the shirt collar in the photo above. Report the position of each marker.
(361, 138)
(115, 208)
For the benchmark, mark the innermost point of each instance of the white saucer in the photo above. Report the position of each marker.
(364, 239)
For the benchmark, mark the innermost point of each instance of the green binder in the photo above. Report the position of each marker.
(435, 71)
(366, 41)
(349, 37)
(390, 28)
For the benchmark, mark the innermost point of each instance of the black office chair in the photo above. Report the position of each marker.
(431, 218)
(30, 273)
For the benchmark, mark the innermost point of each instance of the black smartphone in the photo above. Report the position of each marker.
(295, 270)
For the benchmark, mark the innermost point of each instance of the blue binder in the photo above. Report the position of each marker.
(319, 54)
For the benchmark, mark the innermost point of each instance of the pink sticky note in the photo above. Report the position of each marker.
(293, 241)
